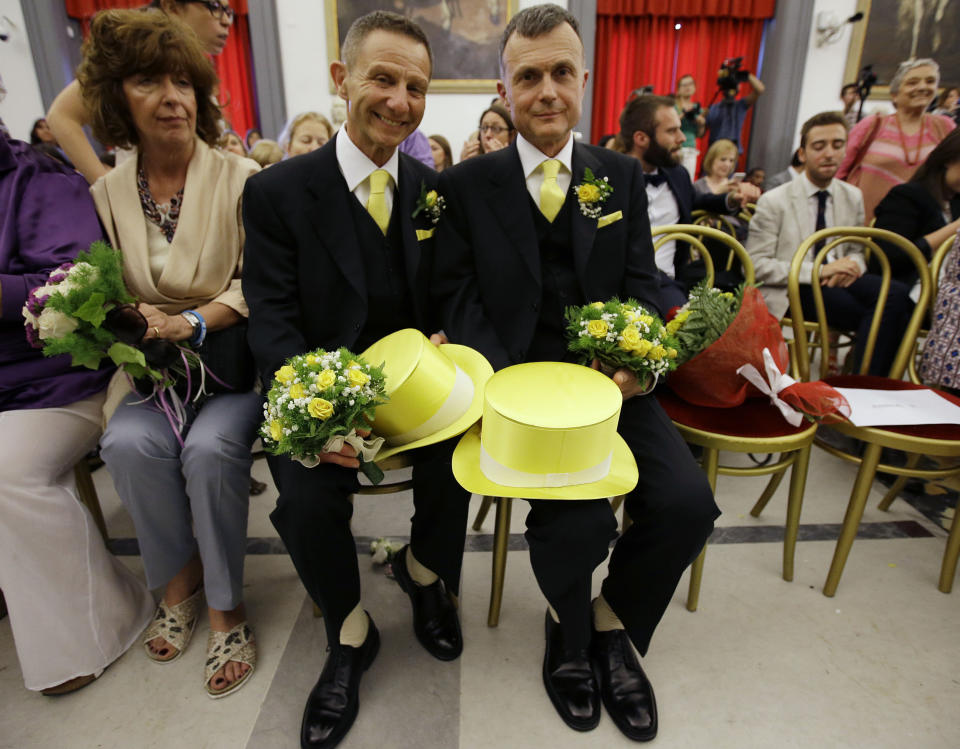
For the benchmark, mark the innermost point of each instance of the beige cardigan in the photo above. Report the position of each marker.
(206, 255)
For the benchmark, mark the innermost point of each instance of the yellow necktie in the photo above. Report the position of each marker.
(377, 203)
(551, 196)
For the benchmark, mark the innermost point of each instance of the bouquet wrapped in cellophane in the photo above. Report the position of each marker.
(621, 335)
(317, 402)
(732, 348)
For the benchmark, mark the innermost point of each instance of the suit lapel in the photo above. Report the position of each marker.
(800, 209)
(507, 190)
(584, 229)
(332, 216)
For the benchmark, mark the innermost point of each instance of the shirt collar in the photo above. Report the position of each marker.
(810, 189)
(356, 166)
(532, 157)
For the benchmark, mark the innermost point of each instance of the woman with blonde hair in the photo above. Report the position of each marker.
(266, 152)
(718, 165)
(305, 133)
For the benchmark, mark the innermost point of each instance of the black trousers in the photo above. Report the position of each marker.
(313, 515)
(672, 509)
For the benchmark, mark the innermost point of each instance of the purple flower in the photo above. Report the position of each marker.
(36, 304)
(59, 274)
(32, 336)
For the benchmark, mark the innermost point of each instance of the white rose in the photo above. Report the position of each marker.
(55, 324)
(29, 316)
(46, 290)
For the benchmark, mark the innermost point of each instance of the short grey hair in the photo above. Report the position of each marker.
(537, 21)
(906, 66)
(381, 20)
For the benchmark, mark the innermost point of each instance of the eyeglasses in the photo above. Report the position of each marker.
(217, 10)
(494, 129)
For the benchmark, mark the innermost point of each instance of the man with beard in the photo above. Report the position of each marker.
(651, 129)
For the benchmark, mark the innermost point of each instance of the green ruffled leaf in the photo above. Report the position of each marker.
(88, 359)
(92, 310)
(123, 353)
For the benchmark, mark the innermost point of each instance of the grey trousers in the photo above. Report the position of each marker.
(207, 482)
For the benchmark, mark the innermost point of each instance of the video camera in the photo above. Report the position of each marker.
(731, 76)
(640, 91)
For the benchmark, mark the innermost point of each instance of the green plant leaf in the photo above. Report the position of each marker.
(122, 353)
(92, 310)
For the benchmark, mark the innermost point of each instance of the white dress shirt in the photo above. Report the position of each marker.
(532, 157)
(356, 169)
(662, 210)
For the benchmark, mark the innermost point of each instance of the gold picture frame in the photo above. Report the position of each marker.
(463, 63)
(896, 35)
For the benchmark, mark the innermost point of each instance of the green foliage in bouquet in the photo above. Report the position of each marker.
(317, 396)
(621, 335)
(704, 318)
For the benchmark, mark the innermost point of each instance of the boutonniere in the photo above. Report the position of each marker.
(591, 193)
(430, 202)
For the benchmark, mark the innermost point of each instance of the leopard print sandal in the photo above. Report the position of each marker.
(236, 645)
(175, 624)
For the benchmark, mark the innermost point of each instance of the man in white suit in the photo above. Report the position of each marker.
(790, 213)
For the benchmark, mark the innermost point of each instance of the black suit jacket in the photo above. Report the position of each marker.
(487, 274)
(912, 212)
(303, 275)
(688, 201)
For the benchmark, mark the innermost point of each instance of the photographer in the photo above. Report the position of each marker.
(725, 118)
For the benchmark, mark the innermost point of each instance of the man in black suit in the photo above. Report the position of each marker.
(334, 258)
(514, 247)
(650, 126)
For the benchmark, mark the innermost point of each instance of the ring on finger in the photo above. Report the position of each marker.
(156, 330)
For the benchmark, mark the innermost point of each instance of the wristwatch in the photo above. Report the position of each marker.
(198, 326)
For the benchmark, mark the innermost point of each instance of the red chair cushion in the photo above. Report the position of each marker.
(755, 417)
(924, 431)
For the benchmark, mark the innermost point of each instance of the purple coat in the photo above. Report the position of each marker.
(46, 218)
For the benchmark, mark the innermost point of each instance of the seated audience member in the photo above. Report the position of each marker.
(252, 138)
(74, 608)
(756, 176)
(718, 166)
(725, 118)
(232, 143)
(849, 95)
(885, 150)
(417, 145)
(266, 152)
(925, 210)
(68, 114)
(182, 253)
(442, 155)
(496, 131)
(305, 133)
(941, 350)
(790, 173)
(948, 104)
(788, 214)
(651, 125)
(607, 141)
(41, 133)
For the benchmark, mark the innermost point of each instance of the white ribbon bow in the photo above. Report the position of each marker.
(366, 449)
(776, 381)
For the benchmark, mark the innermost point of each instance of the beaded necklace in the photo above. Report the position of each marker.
(164, 216)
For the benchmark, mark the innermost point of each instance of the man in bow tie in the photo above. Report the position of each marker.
(334, 257)
(524, 236)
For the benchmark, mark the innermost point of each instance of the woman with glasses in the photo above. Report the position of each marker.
(496, 131)
(210, 20)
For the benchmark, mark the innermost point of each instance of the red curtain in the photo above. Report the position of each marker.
(234, 65)
(634, 51)
(742, 9)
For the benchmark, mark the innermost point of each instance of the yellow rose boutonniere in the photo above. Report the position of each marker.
(319, 408)
(592, 193)
(430, 203)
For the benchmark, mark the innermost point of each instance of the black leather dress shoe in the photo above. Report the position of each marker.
(570, 681)
(627, 693)
(333, 703)
(435, 620)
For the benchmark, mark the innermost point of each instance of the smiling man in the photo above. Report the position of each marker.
(516, 245)
(335, 258)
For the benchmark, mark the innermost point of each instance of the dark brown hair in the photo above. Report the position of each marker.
(123, 43)
(942, 101)
(537, 21)
(932, 171)
(819, 120)
(503, 115)
(640, 115)
(447, 153)
(380, 20)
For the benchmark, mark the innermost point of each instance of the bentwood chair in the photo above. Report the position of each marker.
(756, 426)
(933, 440)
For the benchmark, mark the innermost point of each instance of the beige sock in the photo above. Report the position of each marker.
(604, 620)
(420, 574)
(353, 631)
(553, 613)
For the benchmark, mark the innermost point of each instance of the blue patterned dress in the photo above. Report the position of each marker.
(940, 365)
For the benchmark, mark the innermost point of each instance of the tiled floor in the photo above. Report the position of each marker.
(762, 663)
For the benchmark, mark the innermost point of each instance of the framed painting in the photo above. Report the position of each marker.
(464, 36)
(896, 30)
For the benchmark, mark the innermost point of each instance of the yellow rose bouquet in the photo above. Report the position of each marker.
(317, 402)
(621, 335)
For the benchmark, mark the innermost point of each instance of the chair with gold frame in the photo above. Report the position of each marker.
(756, 426)
(935, 440)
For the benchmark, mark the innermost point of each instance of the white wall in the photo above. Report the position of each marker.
(22, 104)
(306, 73)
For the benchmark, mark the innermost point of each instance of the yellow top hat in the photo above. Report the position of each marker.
(549, 431)
(435, 392)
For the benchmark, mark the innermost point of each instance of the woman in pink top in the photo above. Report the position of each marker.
(884, 151)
